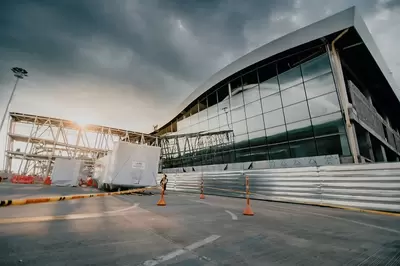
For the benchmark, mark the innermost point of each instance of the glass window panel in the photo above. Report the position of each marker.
(333, 145)
(320, 85)
(251, 94)
(223, 93)
(183, 123)
(269, 87)
(271, 102)
(266, 72)
(237, 99)
(224, 119)
(194, 128)
(212, 111)
(328, 124)
(255, 123)
(240, 128)
(228, 157)
(241, 141)
(293, 95)
(212, 99)
(203, 126)
(194, 119)
(296, 112)
(276, 134)
(324, 105)
(236, 85)
(223, 106)
(303, 148)
(300, 130)
(203, 104)
(316, 67)
(250, 79)
(257, 138)
(274, 118)
(202, 115)
(194, 109)
(238, 114)
(243, 155)
(290, 78)
(250, 87)
(213, 123)
(280, 151)
(259, 153)
(253, 109)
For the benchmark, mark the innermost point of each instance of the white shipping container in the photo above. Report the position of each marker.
(132, 165)
(100, 169)
(66, 172)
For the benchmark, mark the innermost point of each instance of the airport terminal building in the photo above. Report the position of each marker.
(320, 95)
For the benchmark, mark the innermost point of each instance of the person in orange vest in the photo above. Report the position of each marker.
(164, 182)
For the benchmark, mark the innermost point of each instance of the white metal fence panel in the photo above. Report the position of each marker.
(368, 186)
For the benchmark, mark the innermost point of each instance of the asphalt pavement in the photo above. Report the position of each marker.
(133, 230)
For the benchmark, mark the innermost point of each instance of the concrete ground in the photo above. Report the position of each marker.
(132, 230)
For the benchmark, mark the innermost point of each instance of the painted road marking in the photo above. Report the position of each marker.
(204, 202)
(123, 210)
(64, 217)
(234, 217)
(181, 251)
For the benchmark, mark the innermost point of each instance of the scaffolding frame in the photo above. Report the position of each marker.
(39, 153)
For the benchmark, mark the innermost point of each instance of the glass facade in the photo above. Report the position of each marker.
(272, 112)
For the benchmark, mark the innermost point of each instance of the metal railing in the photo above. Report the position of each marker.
(368, 186)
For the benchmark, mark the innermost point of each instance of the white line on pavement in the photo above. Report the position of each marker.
(204, 202)
(123, 210)
(181, 251)
(234, 217)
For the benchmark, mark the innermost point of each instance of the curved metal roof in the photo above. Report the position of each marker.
(335, 23)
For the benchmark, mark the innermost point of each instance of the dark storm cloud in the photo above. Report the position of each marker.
(52, 34)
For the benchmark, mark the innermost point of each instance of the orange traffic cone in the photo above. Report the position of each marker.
(161, 202)
(202, 189)
(248, 211)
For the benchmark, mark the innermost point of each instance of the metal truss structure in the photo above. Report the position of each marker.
(194, 144)
(34, 142)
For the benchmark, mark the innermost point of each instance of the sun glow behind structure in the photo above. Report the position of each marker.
(34, 142)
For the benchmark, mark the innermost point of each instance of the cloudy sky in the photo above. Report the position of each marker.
(128, 63)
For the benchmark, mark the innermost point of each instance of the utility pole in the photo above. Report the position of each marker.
(19, 73)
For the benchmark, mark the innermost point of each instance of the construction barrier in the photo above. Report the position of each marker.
(370, 188)
(5, 203)
(22, 179)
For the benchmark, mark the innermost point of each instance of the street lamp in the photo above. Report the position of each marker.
(19, 73)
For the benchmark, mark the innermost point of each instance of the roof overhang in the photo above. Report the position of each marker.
(326, 29)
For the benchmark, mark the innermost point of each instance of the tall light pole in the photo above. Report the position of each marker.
(19, 73)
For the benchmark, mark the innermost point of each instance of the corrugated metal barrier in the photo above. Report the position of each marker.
(367, 186)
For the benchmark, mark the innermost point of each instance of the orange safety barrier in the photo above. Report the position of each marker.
(21, 179)
(248, 211)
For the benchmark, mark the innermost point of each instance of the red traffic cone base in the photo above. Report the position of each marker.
(202, 196)
(248, 211)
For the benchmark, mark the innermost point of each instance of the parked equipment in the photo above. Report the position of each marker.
(128, 166)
